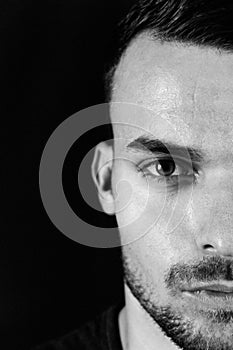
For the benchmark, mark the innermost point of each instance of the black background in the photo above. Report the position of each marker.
(52, 56)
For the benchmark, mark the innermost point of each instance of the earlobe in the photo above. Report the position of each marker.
(101, 173)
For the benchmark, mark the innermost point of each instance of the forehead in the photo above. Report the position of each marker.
(175, 92)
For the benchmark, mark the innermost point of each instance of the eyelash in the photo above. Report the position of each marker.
(169, 179)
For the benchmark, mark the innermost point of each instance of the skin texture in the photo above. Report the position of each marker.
(182, 95)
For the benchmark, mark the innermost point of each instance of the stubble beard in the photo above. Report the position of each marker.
(173, 324)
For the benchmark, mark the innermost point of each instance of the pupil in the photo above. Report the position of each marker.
(165, 167)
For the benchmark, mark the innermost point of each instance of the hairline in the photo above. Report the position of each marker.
(110, 76)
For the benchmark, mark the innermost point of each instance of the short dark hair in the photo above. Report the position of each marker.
(205, 23)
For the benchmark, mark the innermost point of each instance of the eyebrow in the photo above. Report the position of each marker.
(156, 146)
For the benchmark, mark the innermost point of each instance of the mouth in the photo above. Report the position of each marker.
(217, 287)
(211, 293)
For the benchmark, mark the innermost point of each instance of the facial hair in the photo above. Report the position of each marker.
(180, 329)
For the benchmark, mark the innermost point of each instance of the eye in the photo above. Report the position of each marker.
(164, 167)
(160, 168)
(168, 169)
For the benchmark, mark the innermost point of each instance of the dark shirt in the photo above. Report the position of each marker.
(100, 334)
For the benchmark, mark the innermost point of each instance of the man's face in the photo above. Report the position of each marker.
(181, 96)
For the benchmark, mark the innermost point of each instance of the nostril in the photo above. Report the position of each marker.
(208, 247)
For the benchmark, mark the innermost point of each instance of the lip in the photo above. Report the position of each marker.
(217, 287)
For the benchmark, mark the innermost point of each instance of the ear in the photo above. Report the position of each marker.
(102, 173)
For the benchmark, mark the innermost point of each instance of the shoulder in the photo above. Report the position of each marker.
(93, 335)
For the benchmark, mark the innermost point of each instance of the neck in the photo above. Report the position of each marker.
(138, 331)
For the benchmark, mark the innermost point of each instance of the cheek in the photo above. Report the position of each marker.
(138, 204)
(148, 264)
(148, 212)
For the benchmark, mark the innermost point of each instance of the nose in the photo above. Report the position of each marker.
(215, 212)
(218, 238)
(218, 248)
